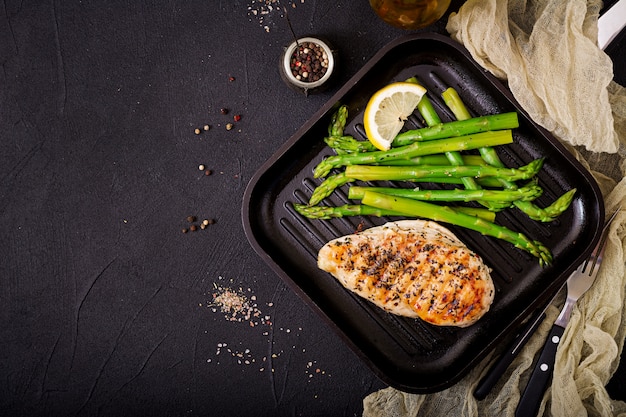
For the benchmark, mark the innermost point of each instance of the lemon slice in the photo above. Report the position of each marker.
(387, 111)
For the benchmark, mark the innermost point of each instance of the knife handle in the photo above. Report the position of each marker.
(542, 374)
(498, 369)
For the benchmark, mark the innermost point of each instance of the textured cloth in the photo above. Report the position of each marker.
(547, 53)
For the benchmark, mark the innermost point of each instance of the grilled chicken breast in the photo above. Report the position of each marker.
(412, 268)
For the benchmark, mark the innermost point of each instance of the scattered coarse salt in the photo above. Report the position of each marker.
(236, 306)
(264, 10)
(239, 305)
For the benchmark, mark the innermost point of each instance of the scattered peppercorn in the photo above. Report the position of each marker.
(237, 117)
(207, 127)
(197, 131)
(231, 79)
(201, 167)
(207, 172)
(197, 225)
(224, 110)
(229, 126)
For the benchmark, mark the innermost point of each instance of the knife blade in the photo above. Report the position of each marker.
(611, 23)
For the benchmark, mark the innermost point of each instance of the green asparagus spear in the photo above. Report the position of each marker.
(439, 159)
(348, 144)
(328, 186)
(401, 173)
(418, 160)
(493, 138)
(427, 110)
(528, 192)
(329, 212)
(447, 215)
(480, 212)
(455, 104)
(338, 121)
(485, 182)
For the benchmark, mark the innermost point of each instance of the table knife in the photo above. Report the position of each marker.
(611, 23)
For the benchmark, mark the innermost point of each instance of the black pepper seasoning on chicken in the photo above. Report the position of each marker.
(413, 268)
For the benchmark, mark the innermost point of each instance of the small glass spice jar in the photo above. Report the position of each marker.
(307, 65)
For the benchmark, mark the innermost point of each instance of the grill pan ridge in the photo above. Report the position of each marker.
(406, 353)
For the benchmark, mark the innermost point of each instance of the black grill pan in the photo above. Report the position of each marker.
(406, 353)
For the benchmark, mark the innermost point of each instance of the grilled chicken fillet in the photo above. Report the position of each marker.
(412, 268)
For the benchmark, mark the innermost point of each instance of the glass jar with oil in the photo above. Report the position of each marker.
(410, 14)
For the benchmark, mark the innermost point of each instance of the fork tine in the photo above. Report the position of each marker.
(596, 256)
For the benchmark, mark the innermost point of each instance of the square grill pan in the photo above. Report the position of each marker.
(409, 354)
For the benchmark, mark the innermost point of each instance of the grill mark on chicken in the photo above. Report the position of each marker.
(413, 268)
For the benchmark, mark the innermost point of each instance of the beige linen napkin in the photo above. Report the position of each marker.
(547, 53)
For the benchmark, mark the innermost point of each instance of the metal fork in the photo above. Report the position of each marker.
(577, 284)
